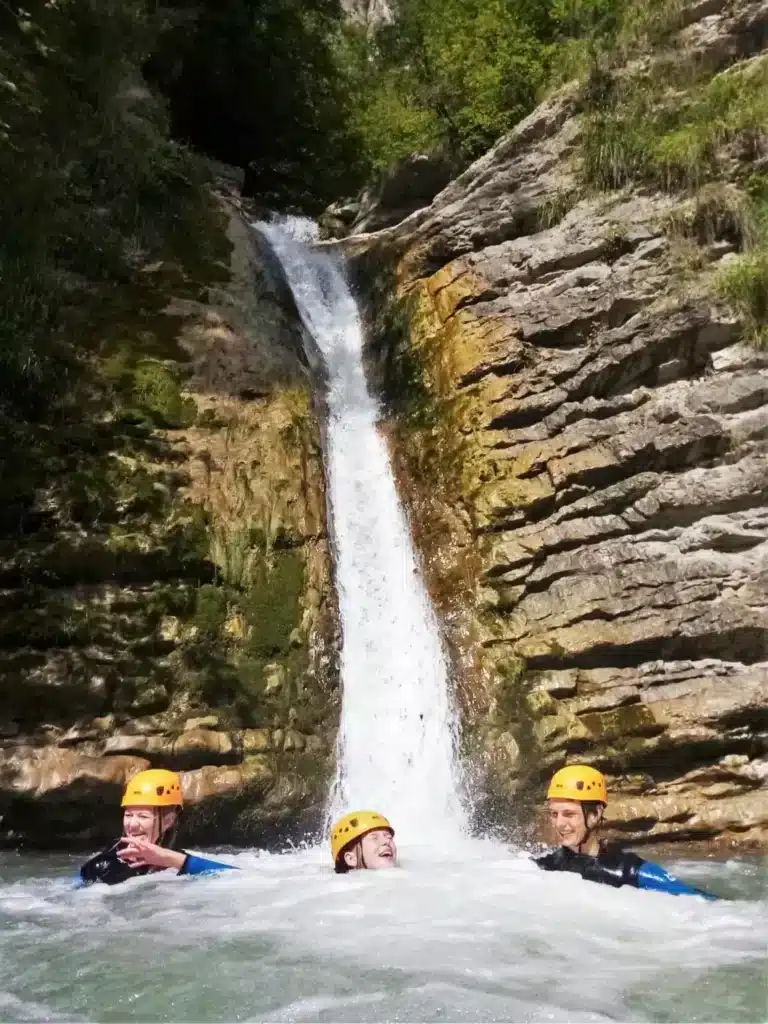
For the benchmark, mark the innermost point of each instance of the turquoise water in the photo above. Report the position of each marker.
(474, 933)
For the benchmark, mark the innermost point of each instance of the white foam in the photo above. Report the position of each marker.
(469, 932)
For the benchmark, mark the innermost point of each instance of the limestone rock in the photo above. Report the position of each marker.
(198, 747)
(408, 185)
(207, 722)
(370, 13)
(591, 496)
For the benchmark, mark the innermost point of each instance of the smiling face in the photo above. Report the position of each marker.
(142, 823)
(567, 818)
(375, 850)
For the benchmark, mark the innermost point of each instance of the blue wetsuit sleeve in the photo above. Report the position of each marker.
(654, 877)
(196, 865)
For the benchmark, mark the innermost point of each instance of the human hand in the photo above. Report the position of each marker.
(141, 853)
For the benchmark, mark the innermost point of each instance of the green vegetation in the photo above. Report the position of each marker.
(683, 127)
(669, 126)
(744, 284)
(453, 75)
(246, 631)
(448, 74)
(92, 185)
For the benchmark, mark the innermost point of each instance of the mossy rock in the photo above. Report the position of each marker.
(211, 605)
(620, 723)
(271, 604)
(156, 392)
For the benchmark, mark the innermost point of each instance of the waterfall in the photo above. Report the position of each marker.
(398, 731)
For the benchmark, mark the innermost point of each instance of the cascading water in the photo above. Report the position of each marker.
(397, 737)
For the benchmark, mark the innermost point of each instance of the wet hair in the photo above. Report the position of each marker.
(341, 867)
(593, 807)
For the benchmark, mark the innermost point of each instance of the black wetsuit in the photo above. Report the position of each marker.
(107, 867)
(612, 866)
(616, 867)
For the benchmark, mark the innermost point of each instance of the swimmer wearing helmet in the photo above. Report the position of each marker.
(152, 805)
(576, 801)
(363, 840)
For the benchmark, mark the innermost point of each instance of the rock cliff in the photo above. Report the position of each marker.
(165, 578)
(580, 425)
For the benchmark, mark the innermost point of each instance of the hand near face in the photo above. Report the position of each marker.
(140, 853)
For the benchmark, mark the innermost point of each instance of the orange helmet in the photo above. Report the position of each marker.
(156, 787)
(578, 782)
(354, 826)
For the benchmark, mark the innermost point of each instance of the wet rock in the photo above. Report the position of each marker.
(274, 678)
(293, 740)
(198, 747)
(139, 745)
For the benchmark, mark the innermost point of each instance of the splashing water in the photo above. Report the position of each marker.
(484, 936)
(397, 735)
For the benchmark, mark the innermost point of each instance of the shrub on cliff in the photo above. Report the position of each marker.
(92, 184)
(447, 73)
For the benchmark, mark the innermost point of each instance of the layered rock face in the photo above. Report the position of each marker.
(581, 433)
(406, 186)
(168, 600)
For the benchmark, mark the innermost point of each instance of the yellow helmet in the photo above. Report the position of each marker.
(354, 826)
(153, 788)
(578, 782)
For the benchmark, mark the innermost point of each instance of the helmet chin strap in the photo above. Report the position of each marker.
(167, 835)
(588, 830)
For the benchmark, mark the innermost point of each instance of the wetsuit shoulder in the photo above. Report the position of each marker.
(620, 865)
(617, 867)
(551, 861)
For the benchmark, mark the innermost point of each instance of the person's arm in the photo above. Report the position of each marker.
(591, 869)
(194, 864)
(140, 852)
(657, 879)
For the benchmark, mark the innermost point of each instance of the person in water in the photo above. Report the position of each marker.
(363, 840)
(152, 805)
(576, 800)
